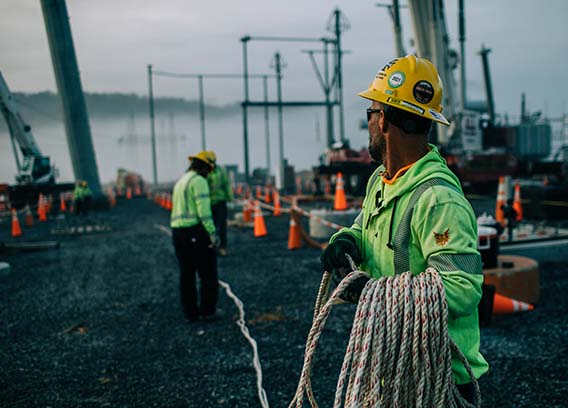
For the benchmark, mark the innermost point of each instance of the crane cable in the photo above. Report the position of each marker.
(399, 352)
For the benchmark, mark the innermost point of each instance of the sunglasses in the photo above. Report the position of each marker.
(371, 111)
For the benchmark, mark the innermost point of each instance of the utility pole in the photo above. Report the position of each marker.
(339, 26)
(245, 40)
(266, 127)
(462, 54)
(278, 68)
(152, 125)
(68, 81)
(201, 110)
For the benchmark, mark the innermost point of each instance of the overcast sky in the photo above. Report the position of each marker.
(115, 39)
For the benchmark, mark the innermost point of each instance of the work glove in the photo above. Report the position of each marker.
(333, 258)
(353, 292)
(215, 241)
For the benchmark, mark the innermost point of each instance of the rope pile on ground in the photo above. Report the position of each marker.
(399, 352)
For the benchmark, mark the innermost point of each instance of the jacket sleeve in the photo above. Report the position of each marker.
(355, 231)
(200, 192)
(447, 236)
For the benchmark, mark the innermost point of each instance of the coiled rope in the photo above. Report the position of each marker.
(399, 351)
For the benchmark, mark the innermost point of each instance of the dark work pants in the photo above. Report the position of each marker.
(219, 211)
(194, 255)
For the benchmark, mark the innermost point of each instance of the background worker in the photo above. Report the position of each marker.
(414, 214)
(82, 196)
(221, 192)
(194, 238)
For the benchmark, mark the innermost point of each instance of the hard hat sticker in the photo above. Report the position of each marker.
(435, 114)
(396, 79)
(423, 91)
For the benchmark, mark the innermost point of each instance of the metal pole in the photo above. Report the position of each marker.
(68, 81)
(484, 52)
(280, 118)
(152, 125)
(244, 40)
(397, 28)
(462, 52)
(201, 111)
(328, 106)
(266, 127)
(339, 73)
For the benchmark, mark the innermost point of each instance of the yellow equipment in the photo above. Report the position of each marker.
(411, 84)
(204, 157)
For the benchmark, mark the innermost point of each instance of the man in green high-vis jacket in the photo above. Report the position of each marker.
(414, 214)
(221, 193)
(195, 239)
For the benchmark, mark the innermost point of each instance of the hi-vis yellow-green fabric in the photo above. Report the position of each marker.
(81, 192)
(191, 204)
(219, 186)
(423, 220)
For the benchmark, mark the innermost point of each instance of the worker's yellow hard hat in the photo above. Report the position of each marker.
(83, 183)
(212, 156)
(204, 157)
(411, 84)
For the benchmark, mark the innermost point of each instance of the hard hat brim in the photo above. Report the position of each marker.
(191, 158)
(387, 100)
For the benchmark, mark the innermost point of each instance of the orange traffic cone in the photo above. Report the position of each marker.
(62, 206)
(267, 194)
(517, 202)
(504, 305)
(294, 236)
(258, 192)
(169, 204)
(277, 209)
(247, 216)
(16, 230)
(137, 190)
(128, 193)
(41, 209)
(29, 216)
(239, 189)
(298, 185)
(340, 203)
(501, 200)
(259, 226)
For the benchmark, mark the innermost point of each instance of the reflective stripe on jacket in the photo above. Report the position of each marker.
(219, 186)
(191, 204)
(422, 220)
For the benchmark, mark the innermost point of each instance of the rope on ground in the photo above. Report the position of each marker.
(399, 351)
(244, 329)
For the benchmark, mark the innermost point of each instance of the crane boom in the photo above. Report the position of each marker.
(35, 167)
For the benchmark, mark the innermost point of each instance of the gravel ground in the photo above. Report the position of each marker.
(97, 323)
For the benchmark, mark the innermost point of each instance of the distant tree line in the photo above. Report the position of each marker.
(45, 107)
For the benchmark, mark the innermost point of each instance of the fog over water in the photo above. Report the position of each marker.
(124, 141)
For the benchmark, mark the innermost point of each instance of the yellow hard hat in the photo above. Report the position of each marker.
(83, 183)
(204, 157)
(411, 84)
(212, 156)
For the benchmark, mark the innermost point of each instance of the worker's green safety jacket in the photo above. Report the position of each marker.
(81, 193)
(219, 186)
(191, 204)
(421, 219)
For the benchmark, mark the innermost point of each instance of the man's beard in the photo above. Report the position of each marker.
(377, 148)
